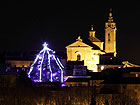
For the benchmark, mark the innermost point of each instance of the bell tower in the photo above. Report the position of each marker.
(110, 35)
(91, 33)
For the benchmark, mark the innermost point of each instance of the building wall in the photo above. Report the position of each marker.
(19, 63)
(69, 84)
(90, 57)
(110, 40)
(103, 67)
(131, 74)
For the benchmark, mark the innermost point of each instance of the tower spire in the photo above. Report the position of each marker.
(91, 27)
(110, 13)
(91, 33)
(110, 18)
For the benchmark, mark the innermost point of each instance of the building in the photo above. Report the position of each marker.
(91, 49)
(81, 51)
(75, 68)
(109, 62)
(19, 59)
(110, 35)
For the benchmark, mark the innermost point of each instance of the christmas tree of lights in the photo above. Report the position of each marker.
(46, 67)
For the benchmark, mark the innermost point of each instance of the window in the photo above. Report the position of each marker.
(109, 37)
(78, 57)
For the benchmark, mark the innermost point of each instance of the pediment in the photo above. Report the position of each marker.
(78, 44)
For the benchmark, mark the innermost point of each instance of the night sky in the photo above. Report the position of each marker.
(24, 27)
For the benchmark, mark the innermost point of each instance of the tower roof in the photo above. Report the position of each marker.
(110, 18)
(92, 37)
(91, 27)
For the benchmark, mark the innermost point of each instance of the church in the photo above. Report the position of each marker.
(91, 53)
(91, 49)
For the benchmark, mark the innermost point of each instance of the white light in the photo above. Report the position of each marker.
(102, 67)
(39, 60)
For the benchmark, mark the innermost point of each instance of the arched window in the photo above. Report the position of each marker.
(78, 57)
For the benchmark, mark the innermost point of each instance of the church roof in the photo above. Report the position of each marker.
(88, 42)
(79, 43)
(94, 39)
(84, 43)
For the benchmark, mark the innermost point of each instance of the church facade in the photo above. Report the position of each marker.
(89, 50)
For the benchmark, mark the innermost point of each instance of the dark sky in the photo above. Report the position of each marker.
(25, 26)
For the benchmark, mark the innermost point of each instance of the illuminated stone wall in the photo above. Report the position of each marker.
(70, 96)
(45, 96)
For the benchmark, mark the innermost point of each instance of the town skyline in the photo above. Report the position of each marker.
(27, 28)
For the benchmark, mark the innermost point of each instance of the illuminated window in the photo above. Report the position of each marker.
(78, 57)
(137, 75)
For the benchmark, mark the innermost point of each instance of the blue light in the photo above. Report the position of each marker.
(46, 67)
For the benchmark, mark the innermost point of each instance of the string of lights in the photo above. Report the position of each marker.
(46, 67)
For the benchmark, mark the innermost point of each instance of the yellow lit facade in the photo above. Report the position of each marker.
(81, 51)
(110, 36)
